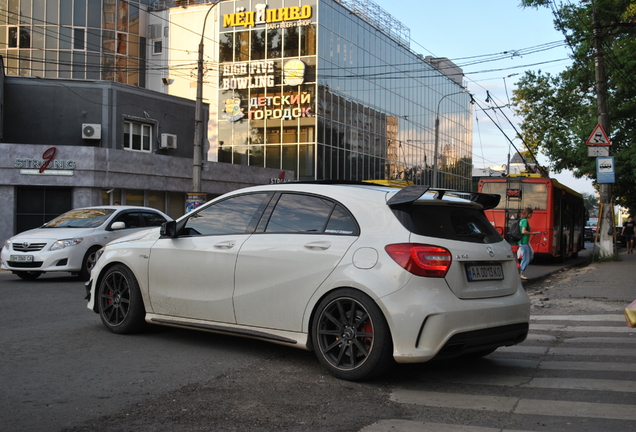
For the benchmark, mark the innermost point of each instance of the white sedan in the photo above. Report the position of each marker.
(69, 242)
(362, 274)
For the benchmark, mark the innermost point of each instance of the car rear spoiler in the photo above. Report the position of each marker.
(410, 194)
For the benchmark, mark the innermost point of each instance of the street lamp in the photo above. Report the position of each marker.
(436, 154)
(198, 115)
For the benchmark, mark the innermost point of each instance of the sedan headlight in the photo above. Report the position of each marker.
(7, 244)
(61, 244)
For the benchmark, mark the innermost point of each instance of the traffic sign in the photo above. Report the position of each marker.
(605, 170)
(598, 137)
(596, 151)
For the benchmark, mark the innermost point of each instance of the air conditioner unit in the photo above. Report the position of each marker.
(168, 141)
(91, 131)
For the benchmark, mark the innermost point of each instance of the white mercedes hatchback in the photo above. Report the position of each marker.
(69, 242)
(362, 274)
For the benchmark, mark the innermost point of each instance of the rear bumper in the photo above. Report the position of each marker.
(483, 340)
(437, 323)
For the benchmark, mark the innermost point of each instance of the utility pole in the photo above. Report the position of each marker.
(198, 120)
(607, 220)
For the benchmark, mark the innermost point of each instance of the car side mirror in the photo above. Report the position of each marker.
(118, 226)
(168, 229)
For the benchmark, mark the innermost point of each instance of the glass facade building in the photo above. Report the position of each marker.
(77, 39)
(331, 90)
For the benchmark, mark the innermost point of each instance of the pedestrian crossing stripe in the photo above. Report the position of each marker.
(618, 345)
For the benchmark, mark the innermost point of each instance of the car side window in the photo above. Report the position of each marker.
(152, 219)
(341, 222)
(295, 213)
(235, 215)
(131, 219)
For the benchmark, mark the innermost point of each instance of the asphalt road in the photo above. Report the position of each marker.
(59, 366)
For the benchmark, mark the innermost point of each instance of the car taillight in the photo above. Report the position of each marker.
(421, 260)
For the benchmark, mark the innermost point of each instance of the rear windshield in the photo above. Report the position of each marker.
(447, 222)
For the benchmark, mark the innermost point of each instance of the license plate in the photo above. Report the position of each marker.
(484, 272)
(21, 258)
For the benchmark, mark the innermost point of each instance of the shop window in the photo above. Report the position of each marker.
(274, 43)
(308, 41)
(242, 46)
(19, 37)
(273, 135)
(134, 197)
(290, 135)
(78, 39)
(257, 155)
(226, 47)
(157, 200)
(272, 156)
(258, 44)
(224, 153)
(122, 43)
(111, 196)
(109, 14)
(176, 204)
(290, 158)
(79, 13)
(292, 41)
(137, 136)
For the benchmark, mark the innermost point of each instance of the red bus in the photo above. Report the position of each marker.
(559, 212)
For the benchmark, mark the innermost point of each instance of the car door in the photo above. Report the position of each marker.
(284, 262)
(193, 275)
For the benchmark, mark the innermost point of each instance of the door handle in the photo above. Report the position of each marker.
(322, 245)
(228, 244)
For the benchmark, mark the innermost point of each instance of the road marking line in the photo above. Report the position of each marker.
(541, 337)
(515, 405)
(588, 366)
(544, 383)
(619, 352)
(606, 352)
(601, 340)
(589, 329)
(562, 365)
(609, 318)
(399, 425)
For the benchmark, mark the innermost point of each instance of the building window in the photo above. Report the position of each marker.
(78, 39)
(19, 37)
(137, 136)
(157, 46)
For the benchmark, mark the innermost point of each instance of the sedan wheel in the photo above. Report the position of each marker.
(88, 263)
(351, 336)
(120, 304)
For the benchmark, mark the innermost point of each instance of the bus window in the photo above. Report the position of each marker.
(535, 196)
(498, 188)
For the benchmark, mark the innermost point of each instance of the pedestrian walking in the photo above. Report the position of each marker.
(525, 252)
(628, 232)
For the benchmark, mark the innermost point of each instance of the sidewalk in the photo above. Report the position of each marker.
(612, 282)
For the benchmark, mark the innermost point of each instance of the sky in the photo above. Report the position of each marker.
(494, 42)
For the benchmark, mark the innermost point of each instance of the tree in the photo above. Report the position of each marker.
(559, 112)
(591, 204)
